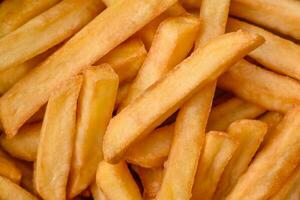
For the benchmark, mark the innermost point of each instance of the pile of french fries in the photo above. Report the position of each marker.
(150, 99)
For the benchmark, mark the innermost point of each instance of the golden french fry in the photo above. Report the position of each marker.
(24, 145)
(126, 59)
(105, 32)
(272, 52)
(8, 168)
(97, 192)
(10, 190)
(14, 13)
(218, 150)
(122, 94)
(172, 43)
(249, 134)
(282, 16)
(146, 113)
(223, 114)
(116, 181)
(262, 87)
(153, 150)
(95, 107)
(273, 164)
(57, 141)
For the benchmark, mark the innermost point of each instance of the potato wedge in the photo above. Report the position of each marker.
(97, 192)
(249, 134)
(95, 107)
(223, 114)
(168, 94)
(218, 150)
(8, 168)
(76, 55)
(57, 141)
(122, 94)
(262, 87)
(273, 164)
(116, 181)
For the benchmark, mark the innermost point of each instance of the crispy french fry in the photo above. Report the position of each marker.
(95, 107)
(8, 168)
(223, 114)
(24, 145)
(97, 192)
(10, 190)
(122, 94)
(153, 150)
(14, 13)
(168, 94)
(218, 150)
(262, 87)
(282, 16)
(172, 43)
(57, 141)
(273, 164)
(249, 134)
(116, 182)
(96, 39)
(272, 52)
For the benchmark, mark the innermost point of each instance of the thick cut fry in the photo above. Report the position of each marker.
(153, 150)
(14, 13)
(249, 134)
(9, 169)
(97, 192)
(282, 16)
(95, 107)
(10, 190)
(172, 43)
(57, 141)
(218, 150)
(262, 87)
(272, 52)
(223, 114)
(24, 145)
(116, 182)
(126, 59)
(168, 94)
(96, 39)
(273, 164)
(122, 94)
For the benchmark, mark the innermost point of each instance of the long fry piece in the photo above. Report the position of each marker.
(86, 47)
(57, 141)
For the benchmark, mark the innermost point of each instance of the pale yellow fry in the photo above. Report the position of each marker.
(168, 94)
(57, 141)
(275, 48)
(95, 107)
(97, 192)
(101, 35)
(249, 134)
(9, 169)
(153, 150)
(116, 181)
(223, 114)
(122, 93)
(260, 86)
(273, 164)
(9, 190)
(24, 145)
(14, 13)
(282, 16)
(218, 150)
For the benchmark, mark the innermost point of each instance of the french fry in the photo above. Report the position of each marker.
(223, 114)
(105, 32)
(95, 107)
(153, 150)
(272, 52)
(97, 192)
(57, 141)
(273, 164)
(249, 134)
(146, 113)
(14, 13)
(24, 145)
(218, 150)
(122, 94)
(282, 16)
(262, 87)
(8, 168)
(172, 43)
(10, 190)
(27, 175)
(116, 181)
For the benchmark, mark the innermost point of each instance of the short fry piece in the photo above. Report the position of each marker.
(57, 141)
(97, 192)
